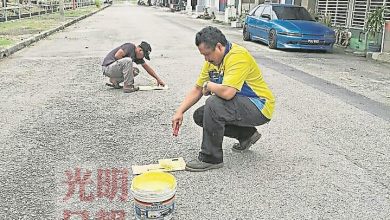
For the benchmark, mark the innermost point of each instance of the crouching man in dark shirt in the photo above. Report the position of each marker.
(118, 65)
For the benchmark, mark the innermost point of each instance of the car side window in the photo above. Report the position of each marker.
(259, 11)
(267, 11)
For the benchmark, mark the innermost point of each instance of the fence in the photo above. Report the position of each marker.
(11, 10)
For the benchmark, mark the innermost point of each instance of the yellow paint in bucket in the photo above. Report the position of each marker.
(154, 195)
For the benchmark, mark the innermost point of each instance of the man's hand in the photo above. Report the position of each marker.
(205, 90)
(177, 119)
(222, 91)
(151, 72)
(160, 82)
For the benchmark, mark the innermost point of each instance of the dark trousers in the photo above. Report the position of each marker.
(235, 118)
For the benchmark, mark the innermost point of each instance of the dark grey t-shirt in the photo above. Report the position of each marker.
(129, 50)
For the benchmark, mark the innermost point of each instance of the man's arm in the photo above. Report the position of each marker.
(151, 72)
(191, 98)
(222, 91)
(120, 54)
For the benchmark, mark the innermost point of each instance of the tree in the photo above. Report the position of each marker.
(375, 22)
(61, 5)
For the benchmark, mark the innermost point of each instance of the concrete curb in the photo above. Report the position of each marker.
(383, 57)
(8, 51)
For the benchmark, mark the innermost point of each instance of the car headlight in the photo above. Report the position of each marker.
(291, 34)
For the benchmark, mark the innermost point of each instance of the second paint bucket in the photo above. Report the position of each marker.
(154, 195)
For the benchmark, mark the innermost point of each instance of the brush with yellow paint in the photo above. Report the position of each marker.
(166, 165)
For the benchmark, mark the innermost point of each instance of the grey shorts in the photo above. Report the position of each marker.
(121, 70)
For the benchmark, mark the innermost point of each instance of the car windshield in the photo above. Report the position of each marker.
(292, 13)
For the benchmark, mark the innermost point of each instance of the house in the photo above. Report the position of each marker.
(233, 8)
(352, 15)
(348, 15)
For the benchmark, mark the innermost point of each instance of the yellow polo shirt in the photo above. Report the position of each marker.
(240, 71)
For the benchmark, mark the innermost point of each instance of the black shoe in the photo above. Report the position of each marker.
(200, 166)
(115, 86)
(129, 89)
(247, 143)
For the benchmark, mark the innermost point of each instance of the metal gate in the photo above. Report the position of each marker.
(350, 14)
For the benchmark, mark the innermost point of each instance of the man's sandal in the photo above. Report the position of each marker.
(115, 86)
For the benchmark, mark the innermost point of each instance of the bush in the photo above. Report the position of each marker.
(376, 21)
(326, 19)
(98, 3)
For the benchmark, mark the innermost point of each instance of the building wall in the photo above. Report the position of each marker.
(290, 2)
(386, 45)
(213, 5)
(309, 4)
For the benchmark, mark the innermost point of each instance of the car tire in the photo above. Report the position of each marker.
(272, 39)
(246, 36)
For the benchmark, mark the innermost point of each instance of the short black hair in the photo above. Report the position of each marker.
(210, 36)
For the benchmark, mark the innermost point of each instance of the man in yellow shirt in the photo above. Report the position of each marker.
(239, 99)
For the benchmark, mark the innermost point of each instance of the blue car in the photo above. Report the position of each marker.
(287, 27)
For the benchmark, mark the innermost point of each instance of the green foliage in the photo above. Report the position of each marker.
(12, 32)
(232, 18)
(243, 16)
(79, 11)
(26, 26)
(4, 42)
(375, 22)
(313, 13)
(98, 3)
(326, 19)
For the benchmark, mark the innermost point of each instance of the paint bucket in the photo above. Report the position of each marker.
(154, 195)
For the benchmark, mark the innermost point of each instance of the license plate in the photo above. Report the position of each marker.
(313, 41)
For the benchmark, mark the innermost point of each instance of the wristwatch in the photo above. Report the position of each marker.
(205, 84)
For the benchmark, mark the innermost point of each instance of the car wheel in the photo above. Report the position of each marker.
(245, 34)
(272, 43)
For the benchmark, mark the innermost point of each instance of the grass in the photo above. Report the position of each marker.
(79, 12)
(31, 25)
(14, 31)
(4, 42)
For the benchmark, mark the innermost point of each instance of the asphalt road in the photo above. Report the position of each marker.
(325, 154)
